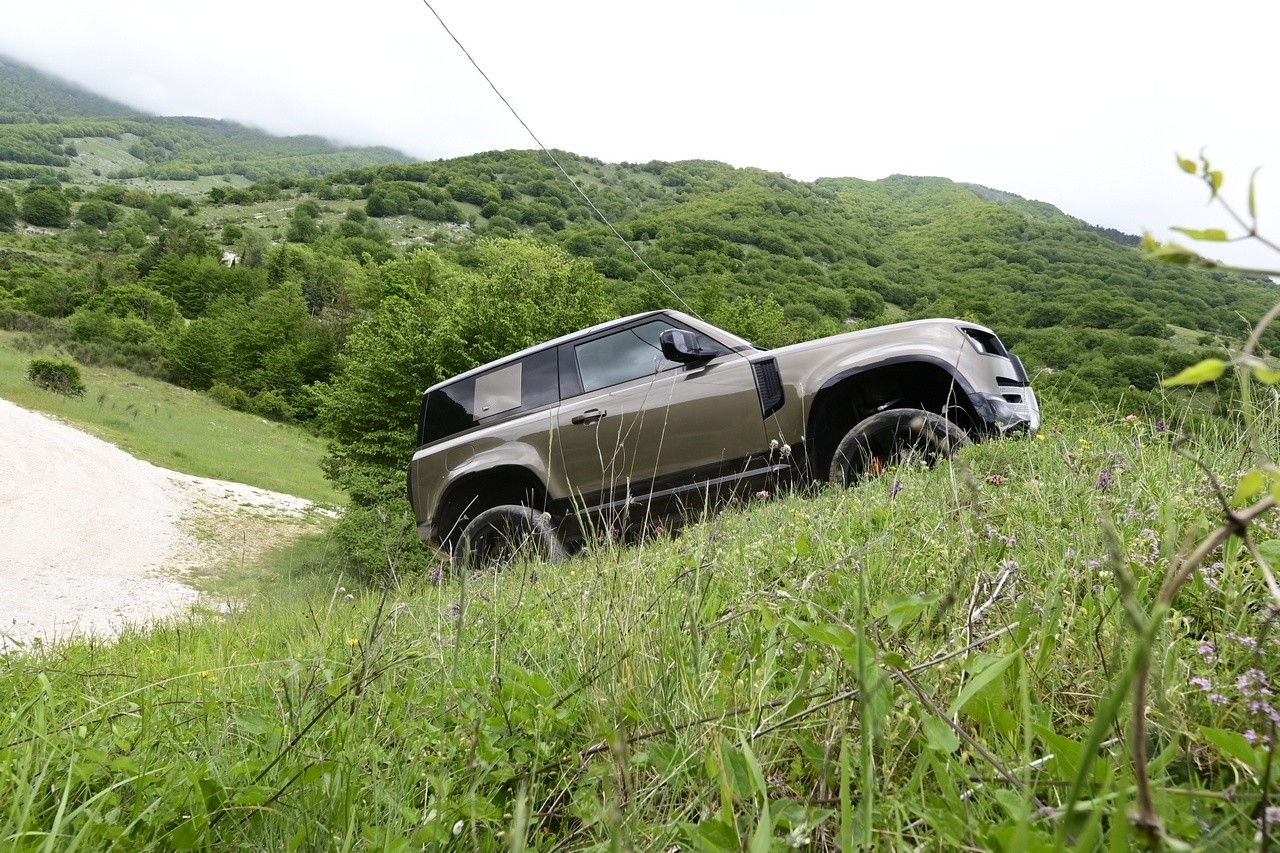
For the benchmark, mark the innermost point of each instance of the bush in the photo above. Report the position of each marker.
(57, 375)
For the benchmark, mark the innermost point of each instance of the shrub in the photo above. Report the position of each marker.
(57, 375)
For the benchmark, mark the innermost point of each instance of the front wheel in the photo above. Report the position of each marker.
(894, 437)
(504, 535)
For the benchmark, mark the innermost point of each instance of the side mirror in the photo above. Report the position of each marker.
(679, 345)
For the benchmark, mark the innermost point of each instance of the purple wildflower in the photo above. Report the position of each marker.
(455, 609)
(1161, 426)
(1104, 480)
(1202, 683)
(1251, 736)
(437, 574)
(995, 480)
(895, 488)
(533, 577)
(1248, 642)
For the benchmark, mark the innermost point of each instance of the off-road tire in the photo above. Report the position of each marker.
(507, 534)
(894, 437)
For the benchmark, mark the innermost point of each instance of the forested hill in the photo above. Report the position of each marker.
(1078, 299)
(27, 95)
(50, 128)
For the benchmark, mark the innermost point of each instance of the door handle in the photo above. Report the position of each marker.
(590, 416)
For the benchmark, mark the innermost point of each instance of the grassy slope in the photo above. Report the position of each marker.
(176, 428)
(692, 691)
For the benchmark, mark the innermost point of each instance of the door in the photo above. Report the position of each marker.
(643, 425)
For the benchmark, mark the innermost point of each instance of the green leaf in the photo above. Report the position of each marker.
(1188, 166)
(906, 608)
(1250, 485)
(1234, 745)
(939, 736)
(1215, 182)
(1173, 253)
(1214, 234)
(1264, 374)
(981, 680)
(1206, 371)
(1270, 550)
(1253, 199)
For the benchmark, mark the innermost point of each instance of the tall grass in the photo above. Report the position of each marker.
(917, 662)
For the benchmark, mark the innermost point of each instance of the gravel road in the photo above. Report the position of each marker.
(93, 539)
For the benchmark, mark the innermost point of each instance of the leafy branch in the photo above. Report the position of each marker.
(1256, 494)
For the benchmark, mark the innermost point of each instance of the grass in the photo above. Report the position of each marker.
(921, 662)
(176, 428)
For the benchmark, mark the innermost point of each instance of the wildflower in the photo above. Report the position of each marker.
(437, 574)
(349, 598)
(995, 480)
(1084, 443)
(1248, 642)
(762, 494)
(352, 641)
(533, 577)
(1104, 480)
(1161, 426)
(1251, 736)
(1202, 683)
(455, 609)
(1206, 652)
(895, 488)
(1131, 419)
(1039, 436)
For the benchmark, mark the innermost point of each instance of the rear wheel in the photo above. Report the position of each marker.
(894, 437)
(507, 534)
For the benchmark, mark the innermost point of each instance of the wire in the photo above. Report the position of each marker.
(553, 159)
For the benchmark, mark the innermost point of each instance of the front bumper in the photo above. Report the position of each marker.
(1002, 416)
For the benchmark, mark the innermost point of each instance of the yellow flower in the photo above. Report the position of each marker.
(352, 641)
(1039, 436)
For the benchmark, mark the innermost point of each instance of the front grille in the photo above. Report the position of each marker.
(768, 386)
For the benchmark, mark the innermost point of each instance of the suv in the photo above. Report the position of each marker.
(650, 416)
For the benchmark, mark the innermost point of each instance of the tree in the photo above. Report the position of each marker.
(46, 207)
(97, 213)
(197, 354)
(302, 228)
(8, 210)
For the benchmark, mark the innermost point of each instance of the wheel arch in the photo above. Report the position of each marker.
(472, 494)
(915, 382)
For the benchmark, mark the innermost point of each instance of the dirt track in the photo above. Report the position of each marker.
(92, 539)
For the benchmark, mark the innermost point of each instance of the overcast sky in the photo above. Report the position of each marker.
(1081, 104)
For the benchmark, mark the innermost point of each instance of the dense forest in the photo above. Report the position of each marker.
(272, 272)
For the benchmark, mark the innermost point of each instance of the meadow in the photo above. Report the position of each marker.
(937, 659)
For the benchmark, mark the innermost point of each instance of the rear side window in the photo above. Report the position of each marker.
(530, 383)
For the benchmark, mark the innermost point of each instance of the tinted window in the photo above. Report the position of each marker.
(623, 356)
(530, 383)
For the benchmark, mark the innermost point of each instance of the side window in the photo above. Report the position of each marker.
(530, 383)
(622, 356)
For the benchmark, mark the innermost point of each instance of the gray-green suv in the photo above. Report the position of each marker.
(649, 416)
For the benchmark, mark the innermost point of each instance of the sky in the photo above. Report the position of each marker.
(1083, 105)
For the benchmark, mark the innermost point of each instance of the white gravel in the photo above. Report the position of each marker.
(93, 539)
